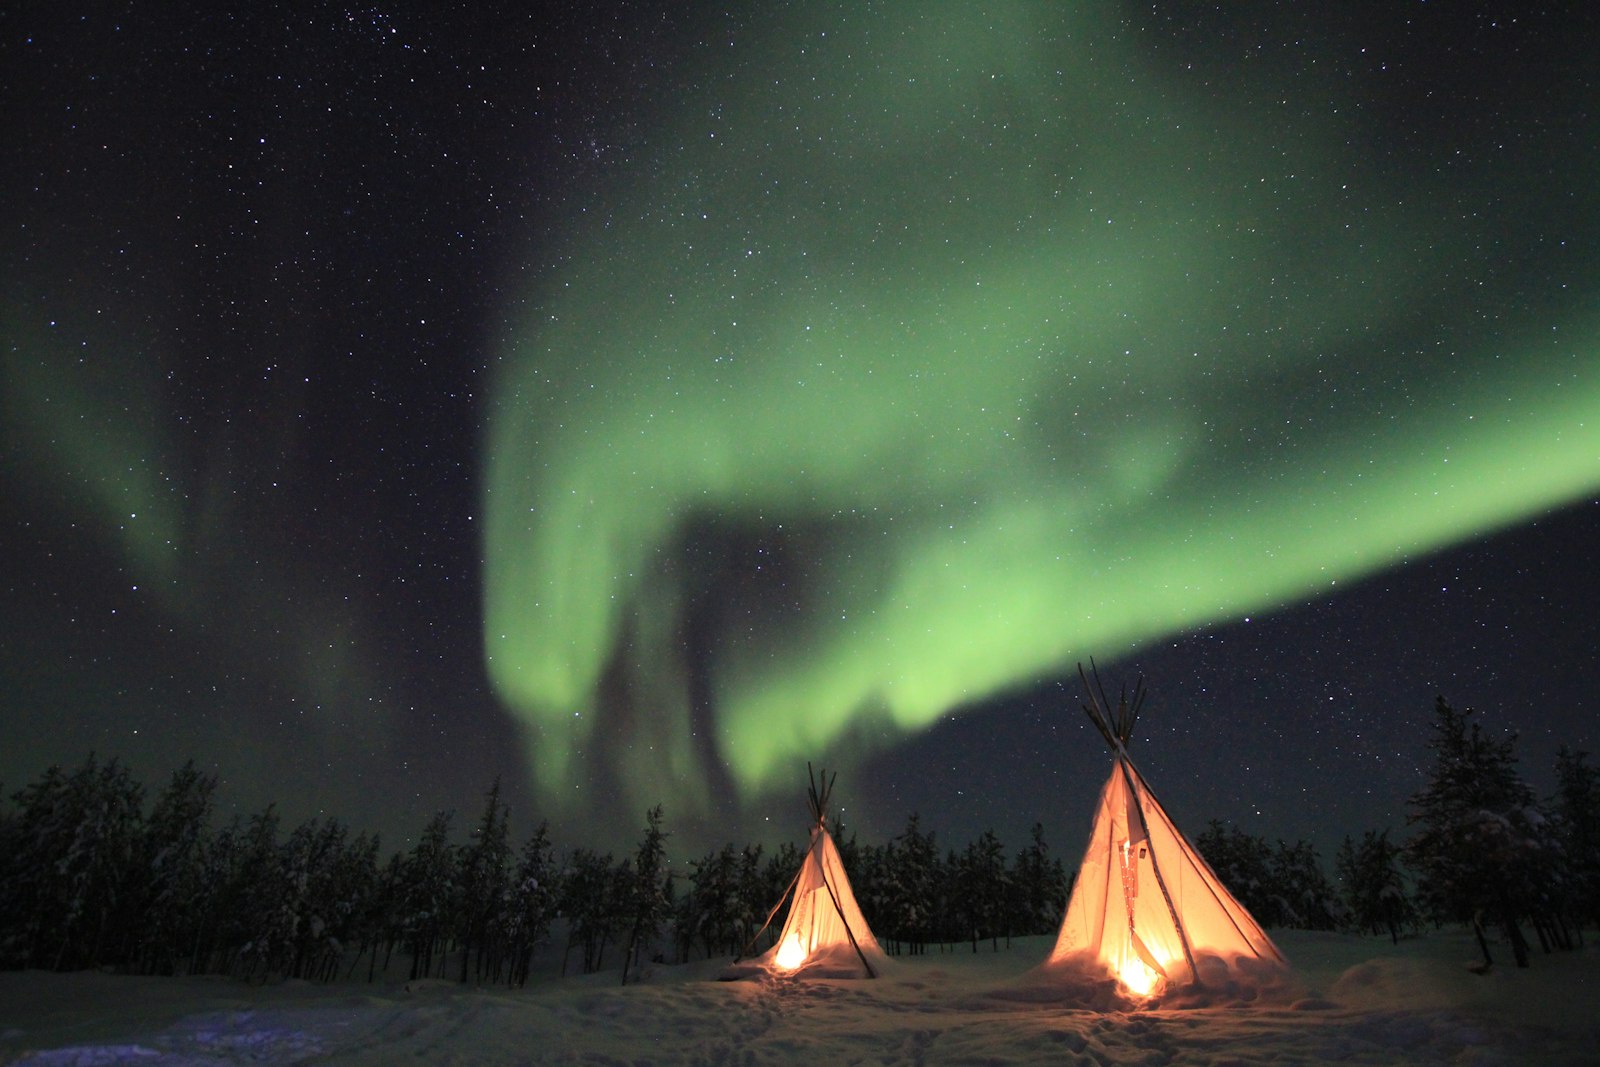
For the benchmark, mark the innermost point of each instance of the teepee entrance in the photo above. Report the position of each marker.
(825, 934)
(1146, 906)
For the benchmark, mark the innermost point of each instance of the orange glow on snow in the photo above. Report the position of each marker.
(791, 953)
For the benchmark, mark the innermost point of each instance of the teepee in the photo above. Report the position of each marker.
(825, 935)
(1146, 907)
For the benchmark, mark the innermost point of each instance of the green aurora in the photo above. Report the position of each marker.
(997, 344)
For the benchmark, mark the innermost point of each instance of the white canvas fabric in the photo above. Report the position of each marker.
(1147, 908)
(823, 917)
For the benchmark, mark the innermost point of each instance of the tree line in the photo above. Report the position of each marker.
(1483, 850)
(93, 876)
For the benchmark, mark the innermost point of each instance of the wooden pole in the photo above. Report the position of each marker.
(840, 909)
(751, 943)
(1144, 826)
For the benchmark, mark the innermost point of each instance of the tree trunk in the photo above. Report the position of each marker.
(1483, 942)
(1544, 938)
(1519, 944)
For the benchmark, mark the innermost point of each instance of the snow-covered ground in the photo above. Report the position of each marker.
(1357, 1001)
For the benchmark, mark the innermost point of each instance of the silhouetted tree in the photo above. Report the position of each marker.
(980, 889)
(588, 896)
(1039, 887)
(1374, 886)
(1477, 849)
(1243, 862)
(716, 909)
(484, 864)
(1304, 898)
(172, 853)
(532, 903)
(645, 894)
(751, 902)
(252, 932)
(913, 886)
(427, 894)
(1576, 807)
(359, 901)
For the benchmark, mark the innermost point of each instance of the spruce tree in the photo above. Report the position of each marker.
(428, 893)
(1306, 899)
(750, 902)
(533, 903)
(172, 857)
(914, 885)
(96, 839)
(870, 879)
(646, 898)
(587, 894)
(1577, 809)
(1373, 885)
(484, 864)
(718, 908)
(1243, 862)
(249, 903)
(29, 903)
(980, 889)
(1477, 848)
(357, 898)
(1039, 885)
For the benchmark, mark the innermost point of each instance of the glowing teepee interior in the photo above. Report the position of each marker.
(1146, 907)
(825, 934)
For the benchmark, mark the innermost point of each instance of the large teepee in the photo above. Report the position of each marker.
(825, 935)
(1146, 907)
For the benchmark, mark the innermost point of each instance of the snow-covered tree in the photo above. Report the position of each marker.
(1480, 849)
(427, 894)
(980, 889)
(28, 895)
(484, 867)
(356, 895)
(531, 903)
(212, 917)
(713, 907)
(172, 854)
(1243, 862)
(1039, 887)
(870, 879)
(254, 930)
(751, 903)
(338, 872)
(81, 848)
(589, 904)
(914, 884)
(1576, 807)
(645, 895)
(1374, 885)
(1305, 899)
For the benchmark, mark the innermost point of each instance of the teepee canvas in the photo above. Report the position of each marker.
(825, 935)
(1146, 908)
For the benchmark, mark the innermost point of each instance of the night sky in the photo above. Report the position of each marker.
(636, 404)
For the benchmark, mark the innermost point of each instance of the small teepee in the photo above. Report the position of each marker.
(825, 935)
(1146, 907)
